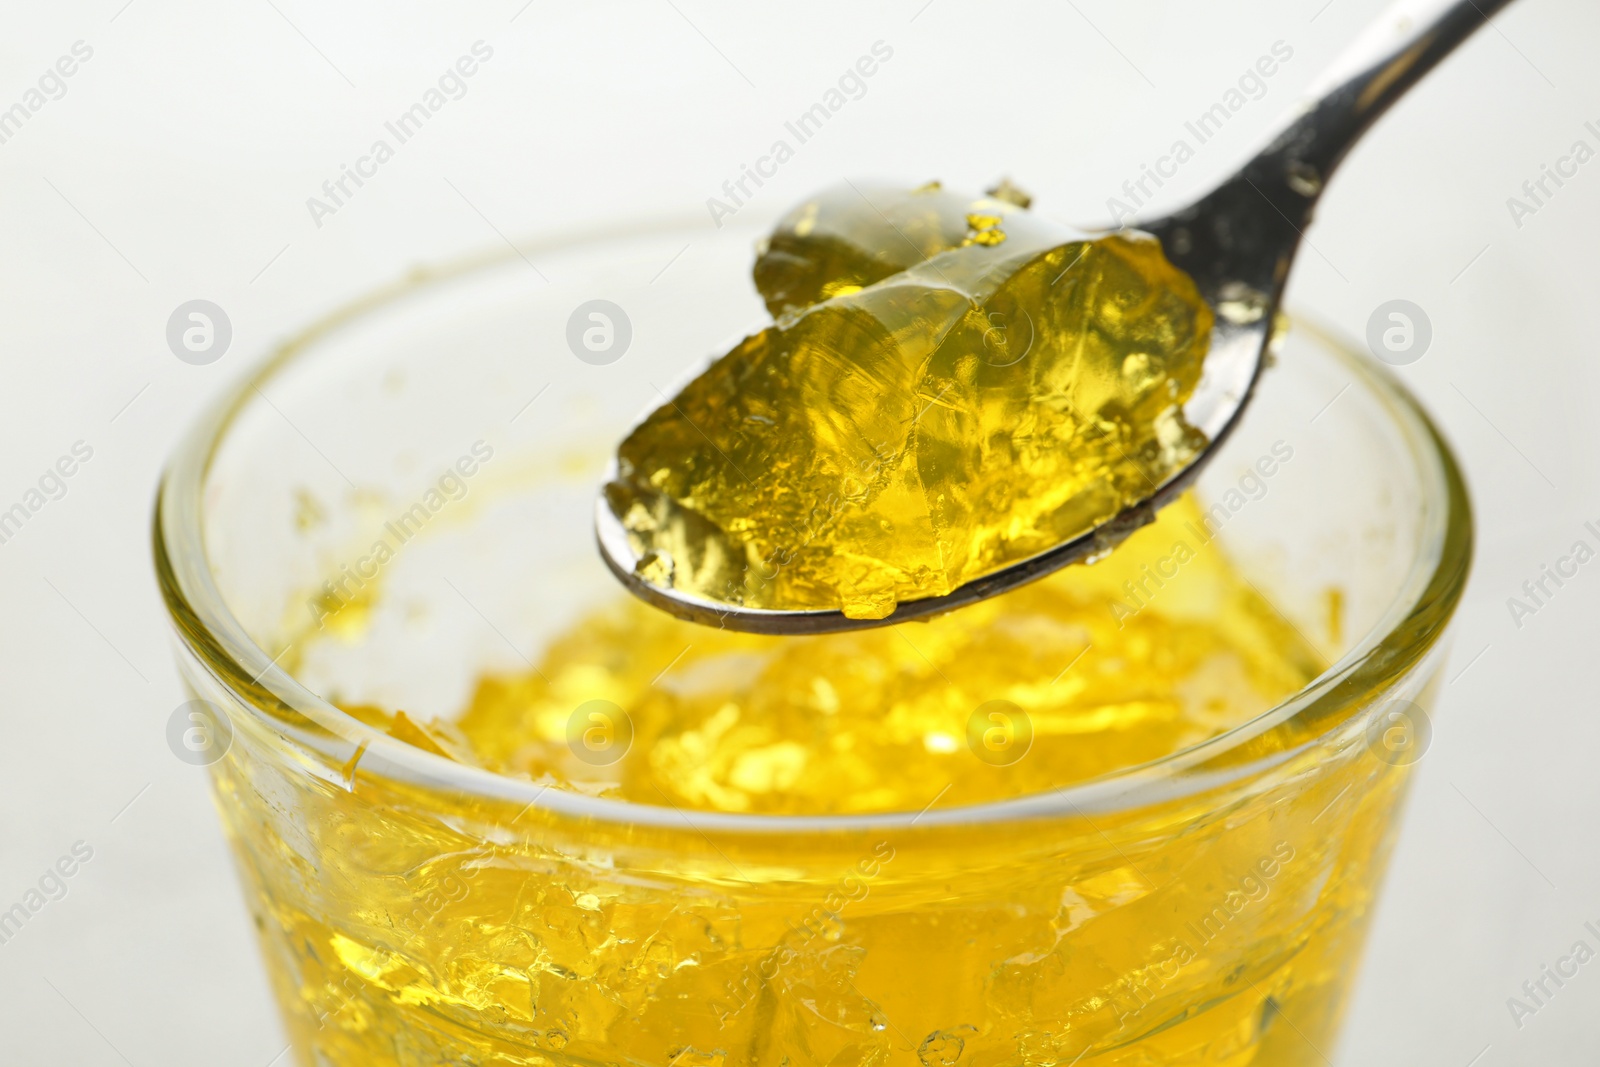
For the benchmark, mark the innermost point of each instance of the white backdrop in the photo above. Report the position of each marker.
(175, 164)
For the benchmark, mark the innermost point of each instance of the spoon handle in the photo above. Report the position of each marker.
(1245, 232)
(1391, 55)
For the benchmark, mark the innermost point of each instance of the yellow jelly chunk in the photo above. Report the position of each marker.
(985, 385)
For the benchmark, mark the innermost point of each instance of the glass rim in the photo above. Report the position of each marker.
(1406, 632)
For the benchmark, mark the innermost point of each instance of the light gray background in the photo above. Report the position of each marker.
(178, 164)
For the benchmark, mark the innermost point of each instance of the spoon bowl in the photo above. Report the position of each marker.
(1237, 243)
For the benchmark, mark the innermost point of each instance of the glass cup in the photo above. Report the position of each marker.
(425, 462)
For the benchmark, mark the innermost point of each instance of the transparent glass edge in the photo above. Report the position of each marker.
(215, 643)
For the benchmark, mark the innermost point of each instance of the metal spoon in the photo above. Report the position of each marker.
(1237, 243)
